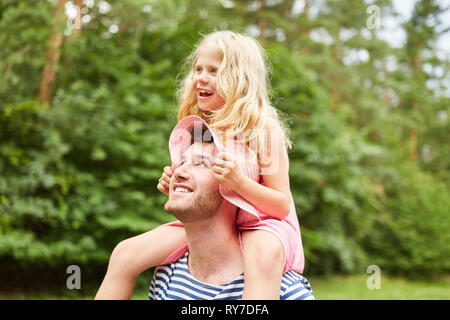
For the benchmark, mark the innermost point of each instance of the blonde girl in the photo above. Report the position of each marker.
(228, 87)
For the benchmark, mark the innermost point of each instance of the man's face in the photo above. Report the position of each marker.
(194, 192)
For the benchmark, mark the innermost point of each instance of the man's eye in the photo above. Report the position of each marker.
(200, 163)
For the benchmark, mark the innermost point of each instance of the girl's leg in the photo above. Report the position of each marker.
(134, 255)
(263, 265)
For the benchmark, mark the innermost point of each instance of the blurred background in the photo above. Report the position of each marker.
(87, 103)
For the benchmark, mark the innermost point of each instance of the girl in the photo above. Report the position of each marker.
(227, 86)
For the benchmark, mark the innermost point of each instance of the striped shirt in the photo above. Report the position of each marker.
(175, 282)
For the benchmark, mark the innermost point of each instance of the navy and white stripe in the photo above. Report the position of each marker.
(175, 282)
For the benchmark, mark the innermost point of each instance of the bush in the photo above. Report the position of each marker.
(410, 236)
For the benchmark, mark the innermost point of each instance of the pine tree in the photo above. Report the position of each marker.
(422, 33)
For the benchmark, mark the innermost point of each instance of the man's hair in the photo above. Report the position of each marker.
(204, 136)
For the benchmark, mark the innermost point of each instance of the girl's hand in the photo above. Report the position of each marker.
(227, 171)
(164, 181)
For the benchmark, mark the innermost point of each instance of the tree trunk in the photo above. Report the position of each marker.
(304, 31)
(77, 31)
(386, 98)
(413, 136)
(53, 54)
(261, 23)
(335, 80)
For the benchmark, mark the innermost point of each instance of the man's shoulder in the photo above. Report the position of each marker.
(295, 287)
(168, 269)
(162, 277)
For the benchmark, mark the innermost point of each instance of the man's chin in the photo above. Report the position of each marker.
(189, 209)
(177, 205)
(172, 206)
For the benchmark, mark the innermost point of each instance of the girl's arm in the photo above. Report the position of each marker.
(269, 200)
(274, 198)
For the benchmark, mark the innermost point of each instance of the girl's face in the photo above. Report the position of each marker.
(205, 77)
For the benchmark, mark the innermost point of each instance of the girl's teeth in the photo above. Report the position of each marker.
(205, 93)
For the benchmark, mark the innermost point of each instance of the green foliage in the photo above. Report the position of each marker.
(75, 181)
(411, 237)
(332, 195)
(24, 31)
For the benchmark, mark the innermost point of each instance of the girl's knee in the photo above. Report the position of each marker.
(265, 250)
(272, 252)
(120, 252)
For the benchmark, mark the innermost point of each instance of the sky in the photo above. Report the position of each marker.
(391, 29)
(394, 34)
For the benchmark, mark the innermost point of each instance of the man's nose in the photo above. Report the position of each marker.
(181, 172)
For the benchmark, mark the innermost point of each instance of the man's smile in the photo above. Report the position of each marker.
(179, 188)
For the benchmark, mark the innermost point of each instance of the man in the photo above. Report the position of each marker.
(213, 265)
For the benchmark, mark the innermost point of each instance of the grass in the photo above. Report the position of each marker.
(330, 288)
(355, 288)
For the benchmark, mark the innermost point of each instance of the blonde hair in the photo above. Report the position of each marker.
(242, 81)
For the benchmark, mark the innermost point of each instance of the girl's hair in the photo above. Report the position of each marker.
(242, 81)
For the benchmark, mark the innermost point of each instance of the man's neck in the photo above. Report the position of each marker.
(214, 247)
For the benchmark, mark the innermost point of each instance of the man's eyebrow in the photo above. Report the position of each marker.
(203, 156)
(198, 156)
